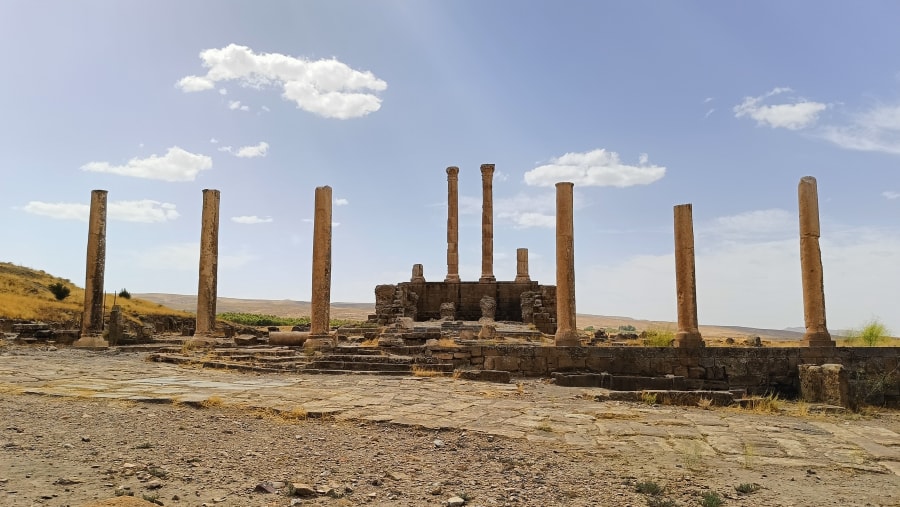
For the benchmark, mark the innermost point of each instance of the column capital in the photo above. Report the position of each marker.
(487, 170)
(452, 172)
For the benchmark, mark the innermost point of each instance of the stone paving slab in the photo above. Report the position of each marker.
(535, 410)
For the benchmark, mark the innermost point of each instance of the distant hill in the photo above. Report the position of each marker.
(361, 311)
(25, 294)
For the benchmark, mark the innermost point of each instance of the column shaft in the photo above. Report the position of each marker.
(688, 334)
(566, 335)
(817, 334)
(320, 318)
(92, 319)
(522, 265)
(452, 224)
(207, 286)
(487, 224)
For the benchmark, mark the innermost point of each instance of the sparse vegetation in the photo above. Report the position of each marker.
(656, 501)
(59, 291)
(704, 403)
(871, 334)
(659, 337)
(124, 294)
(648, 398)
(212, 401)
(260, 320)
(746, 488)
(419, 370)
(629, 328)
(544, 426)
(648, 488)
(711, 499)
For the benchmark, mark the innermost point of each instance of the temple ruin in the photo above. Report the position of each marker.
(521, 300)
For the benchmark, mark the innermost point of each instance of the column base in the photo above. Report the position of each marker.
(688, 339)
(200, 341)
(567, 338)
(319, 342)
(817, 339)
(523, 279)
(91, 342)
(452, 279)
(487, 279)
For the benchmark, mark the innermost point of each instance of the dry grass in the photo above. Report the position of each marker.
(25, 294)
(705, 403)
(419, 370)
(213, 402)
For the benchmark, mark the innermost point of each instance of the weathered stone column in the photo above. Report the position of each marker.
(688, 334)
(452, 224)
(320, 318)
(209, 264)
(566, 335)
(418, 274)
(817, 334)
(522, 265)
(487, 224)
(92, 318)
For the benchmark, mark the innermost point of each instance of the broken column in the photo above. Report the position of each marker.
(452, 224)
(688, 334)
(817, 334)
(566, 335)
(418, 274)
(320, 312)
(209, 264)
(522, 265)
(92, 318)
(487, 224)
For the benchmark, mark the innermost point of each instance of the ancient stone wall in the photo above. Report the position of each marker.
(873, 372)
(422, 301)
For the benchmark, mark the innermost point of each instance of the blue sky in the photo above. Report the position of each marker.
(643, 105)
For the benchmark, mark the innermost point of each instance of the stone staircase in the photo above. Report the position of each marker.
(343, 360)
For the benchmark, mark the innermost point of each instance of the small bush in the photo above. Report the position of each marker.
(59, 291)
(648, 488)
(711, 499)
(659, 337)
(746, 488)
(628, 328)
(648, 398)
(656, 501)
(871, 334)
(124, 294)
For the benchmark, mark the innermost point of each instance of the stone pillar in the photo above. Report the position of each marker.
(566, 335)
(817, 334)
(418, 274)
(522, 265)
(320, 314)
(487, 224)
(209, 264)
(92, 318)
(452, 224)
(688, 334)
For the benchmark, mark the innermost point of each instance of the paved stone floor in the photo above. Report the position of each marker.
(531, 409)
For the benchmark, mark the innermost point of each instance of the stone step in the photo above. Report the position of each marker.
(358, 366)
(365, 358)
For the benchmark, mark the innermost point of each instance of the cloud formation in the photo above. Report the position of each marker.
(341, 202)
(890, 195)
(235, 105)
(328, 88)
(876, 129)
(175, 165)
(257, 150)
(144, 211)
(794, 115)
(252, 219)
(599, 168)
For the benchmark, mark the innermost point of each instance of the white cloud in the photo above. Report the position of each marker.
(890, 195)
(186, 257)
(525, 210)
(877, 129)
(252, 219)
(794, 115)
(341, 202)
(708, 113)
(145, 211)
(707, 100)
(328, 88)
(175, 165)
(768, 223)
(223, 91)
(258, 150)
(599, 167)
(236, 104)
(265, 108)
(500, 176)
(213, 140)
(195, 84)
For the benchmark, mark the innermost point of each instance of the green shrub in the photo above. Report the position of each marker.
(657, 337)
(628, 328)
(711, 499)
(260, 320)
(59, 291)
(871, 334)
(124, 294)
(648, 488)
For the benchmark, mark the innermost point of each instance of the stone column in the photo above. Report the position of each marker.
(487, 224)
(418, 274)
(688, 334)
(92, 318)
(320, 318)
(817, 334)
(522, 265)
(452, 224)
(209, 264)
(566, 335)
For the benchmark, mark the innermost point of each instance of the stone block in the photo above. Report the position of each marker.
(499, 376)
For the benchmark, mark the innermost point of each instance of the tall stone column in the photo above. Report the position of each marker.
(688, 334)
(92, 318)
(209, 264)
(566, 335)
(452, 224)
(320, 314)
(522, 265)
(817, 334)
(487, 223)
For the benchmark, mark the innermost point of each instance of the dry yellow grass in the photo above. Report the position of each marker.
(24, 294)
(424, 371)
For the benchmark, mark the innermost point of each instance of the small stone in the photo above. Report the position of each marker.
(85, 439)
(154, 484)
(68, 446)
(436, 489)
(301, 489)
(810, 472)
(176, 498)
(397, 476)
(65, 481)
(439, 443)
(455, 501)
